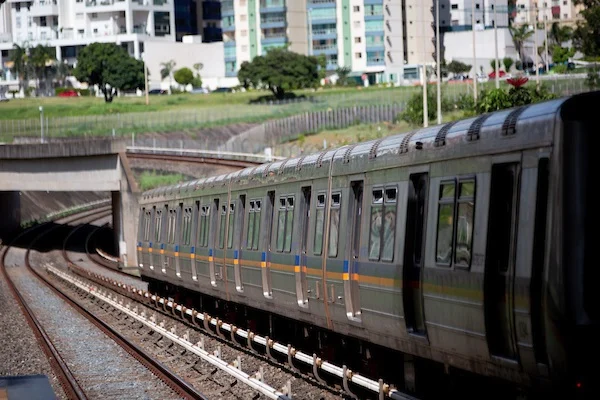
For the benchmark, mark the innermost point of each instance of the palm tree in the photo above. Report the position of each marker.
(20, 68)
(560, 34)
(40, 58)
(519, 36)
(167, 71)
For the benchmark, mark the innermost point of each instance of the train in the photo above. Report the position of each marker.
(467, 244)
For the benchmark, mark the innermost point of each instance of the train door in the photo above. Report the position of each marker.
(351, 289)
(266, 244)
(300, 272)
(412, 286)
(212, 241)
(499, 264)
(238, 228)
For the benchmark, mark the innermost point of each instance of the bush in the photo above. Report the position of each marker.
(493, 100)
(413, 114)
(592, 80)
(465, 102)
(560, 69)
(82, 92)
(520, 96)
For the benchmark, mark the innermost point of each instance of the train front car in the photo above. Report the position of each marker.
(572, 300)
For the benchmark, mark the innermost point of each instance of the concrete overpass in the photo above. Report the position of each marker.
(90, 165)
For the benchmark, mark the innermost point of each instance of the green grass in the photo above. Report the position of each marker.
(151, 179)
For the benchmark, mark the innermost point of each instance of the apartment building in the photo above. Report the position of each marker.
(461, 13)
(68, 25)
(562, 11)
(378, 38)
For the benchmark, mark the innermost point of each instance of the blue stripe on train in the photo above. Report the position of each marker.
(193, 250)
(236, 254)
(176, 247)
(263, 256)
(346, 264)
(297, 260)
(210, 252)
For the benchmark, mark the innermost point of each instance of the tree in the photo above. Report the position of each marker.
(587, 35)
(281, 70)
(560, 34)
(561, 55)
(184, 76)
(40, 58)
(110, 67)
(167, 71)
(343, 78)
(458, 68)
(519, 36)
(508, 63)
(20, 68)
(197, 81)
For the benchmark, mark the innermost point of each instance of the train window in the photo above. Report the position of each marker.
(383, 224)
(222, 227)
(187, 226)
(334, 224)
(389, 225)
(318, 242)
(203, 226)
(445, 226)
(231, 226)
(171, 223)
(464, 223)
(147, 224)
(157, 225)
(285, 224)
(253, 225)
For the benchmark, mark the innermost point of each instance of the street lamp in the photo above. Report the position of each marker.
(438, 62)
(145, 78)
(41, 124)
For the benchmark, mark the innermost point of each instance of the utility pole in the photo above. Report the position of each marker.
(146, 80)
(310, 47)
(497, 68)
(546, 42)
(474, 53)
(535, 45)
(438, 62)
(41, 124)
(425, 108)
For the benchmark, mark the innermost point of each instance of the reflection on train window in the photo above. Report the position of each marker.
(383, 224)
(147, 224)
(171, 226)
(285, 224)
(464, 223)
(334, 224)
(318, 243)
(445, 226)
(231, 226)
(203, 226)
(157, 225)
(187, 226)
(455, 222)
(222, 226)
(253, 225)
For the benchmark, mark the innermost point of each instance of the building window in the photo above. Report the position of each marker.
(455, 6)
(357, 24)
(356, 8)
(18, 19)
(358, 55)
(357, 39)
(244, 48)
(243, 17)
(243, 33)
(42, 21)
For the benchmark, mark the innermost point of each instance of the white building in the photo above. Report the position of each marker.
(67, 25)
(461, 13)
(563, 11)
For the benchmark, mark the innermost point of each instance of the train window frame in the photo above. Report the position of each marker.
(222, 222)
(158, 216)
(381, 202)
(285, 223)
(320, 202)
(334, 214)
(203, 225)
(171, 225)
(186, 230)
(456, 201)
(253, 228)
(460, 200)
(231, 225)
(147, 224)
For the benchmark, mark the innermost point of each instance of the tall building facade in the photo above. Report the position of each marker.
(68, 25)
(378, 38)
(461, 13)
(562, 11)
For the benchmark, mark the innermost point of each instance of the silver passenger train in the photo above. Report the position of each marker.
(469, 244)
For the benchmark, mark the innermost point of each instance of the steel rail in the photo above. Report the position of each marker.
(195, 160)
(177, 384)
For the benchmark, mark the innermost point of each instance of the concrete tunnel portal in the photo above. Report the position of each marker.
(98, 165)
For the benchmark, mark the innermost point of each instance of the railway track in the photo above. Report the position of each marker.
(148, 155)
(310, 367)
(86, 348)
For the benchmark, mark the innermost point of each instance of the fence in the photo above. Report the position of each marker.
(270, 133)
(198, 118)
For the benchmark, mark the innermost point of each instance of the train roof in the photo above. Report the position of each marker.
(531, 124)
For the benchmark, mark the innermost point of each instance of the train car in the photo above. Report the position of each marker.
(468, 244)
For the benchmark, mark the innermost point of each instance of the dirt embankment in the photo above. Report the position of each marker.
(35, 205)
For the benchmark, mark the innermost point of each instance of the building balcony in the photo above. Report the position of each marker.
(273, 39)
(379, 32)
(212, 34)
(371, 2)
(324, 34)
(374, 17)
(331, 65)
(43, 8)
(320, 4)
(272, 6)
(326, 49)
(375, 47)
(266, 23)
(160, 2)
(229, 43)
(228, 28)
(230, 57)
(375, 61)
(142, 3)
